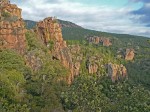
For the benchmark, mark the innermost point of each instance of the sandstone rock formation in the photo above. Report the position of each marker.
(92, 68)
(49, 31)
(76, 58)
(117, 72)
(33, 61)
(93, 64)
(106, 42)
(12, 31)
(96, 40)
(129, 55)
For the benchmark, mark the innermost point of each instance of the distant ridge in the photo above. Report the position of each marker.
(72, 31)
(65, 24)
(68, 24)
(30, 24)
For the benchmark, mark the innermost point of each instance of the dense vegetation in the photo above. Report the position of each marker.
(41, 89)
(24, 90)
(30, 24)
(138, 70)
(98, 93)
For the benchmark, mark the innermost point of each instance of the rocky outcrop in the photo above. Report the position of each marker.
(33, 61)
(129, 55)
(117, 72)
(76, 58)
(49, 32)
(93, 64)
(92, 68)
(106, 42)
(96, 40)
(12, 31)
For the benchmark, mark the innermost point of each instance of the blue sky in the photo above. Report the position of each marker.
(118, 16)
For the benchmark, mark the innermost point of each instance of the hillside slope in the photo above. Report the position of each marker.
(65, 24)
(140, 44)
(88, 72)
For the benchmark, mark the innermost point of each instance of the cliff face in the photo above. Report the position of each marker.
(12, 31)
(12, 36)
(96, 40)
(117, 72)
(49, 31)
(129, 54)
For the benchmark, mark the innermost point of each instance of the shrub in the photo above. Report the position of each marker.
(6, 14)
(51, 44)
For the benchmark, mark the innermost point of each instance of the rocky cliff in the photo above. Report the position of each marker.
(49, 32)
(117, 72)
(129, 55)
(97, 40)
(12, 31)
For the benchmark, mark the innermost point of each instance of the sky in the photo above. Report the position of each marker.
(117, 16)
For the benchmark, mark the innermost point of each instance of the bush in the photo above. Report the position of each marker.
(6, 14)
(51, 45)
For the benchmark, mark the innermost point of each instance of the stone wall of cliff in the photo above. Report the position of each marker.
(129, 55)
(12, 31)
(97, 40)
(49, 32)
(117, 72)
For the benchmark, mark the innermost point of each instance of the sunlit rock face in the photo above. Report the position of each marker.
(129, 55)
(117, 72)
(49, 32)
(12, 31)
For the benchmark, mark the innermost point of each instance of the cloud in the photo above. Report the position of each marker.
(142, 13)
(145, 1)
(97, 17)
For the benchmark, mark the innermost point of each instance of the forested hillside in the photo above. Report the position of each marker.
(58, 66)
(139, 71)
